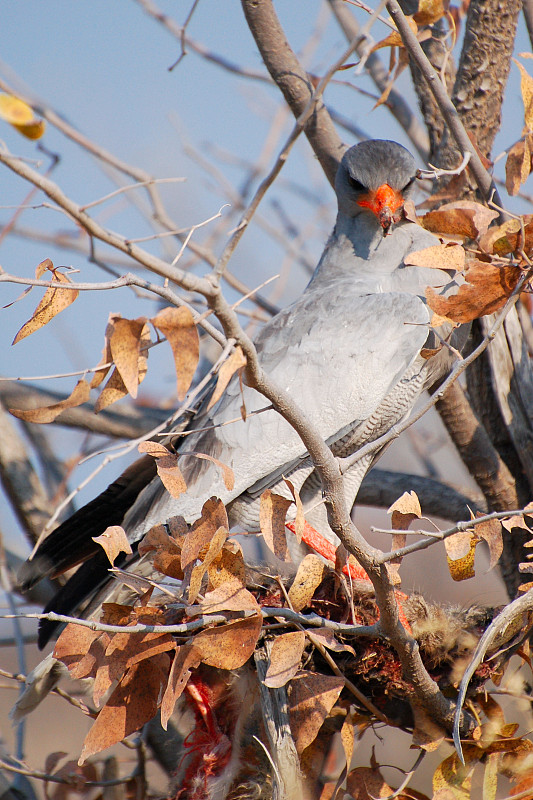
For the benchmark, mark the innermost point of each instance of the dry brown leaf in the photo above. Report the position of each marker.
(167, 467)
(453, 777)
(516, 521)
(272, 512)
(299, 520)
(460, 552)
(73, 644)
(167, 558)
(113, 541)
(115, 388)
(526, 88)
(229, 646)
(311, 698)
(132, 704)
(52, 303)
(230, 596)
(430, 11)
(115, 613)
(364, 783)
(171, 476)
(228, 568)
(440, 256)
(228, 476)
(518, 165)
(198, 571)
(212, 518)
(491, 532)
(461, 218)
(186, 659)
(327, 639)
(86, 666)
(348, 739)
(100, 374)
(128, 649)
(178, 327)
(308, 577)
(507, 237)
(20, 115)
(236, 361)
(79, 395)
(125, 344)
(155, 449)
(487, 289)
(285, 656)
(404, 510)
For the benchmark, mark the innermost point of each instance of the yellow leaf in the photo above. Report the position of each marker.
(460, 552)
(21, 117)
(526, 88)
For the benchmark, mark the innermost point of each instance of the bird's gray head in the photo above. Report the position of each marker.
(376, 177)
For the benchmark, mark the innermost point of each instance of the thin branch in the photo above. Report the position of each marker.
(457, 528)
(447, 108)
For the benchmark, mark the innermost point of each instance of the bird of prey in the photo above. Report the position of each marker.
(347, 351)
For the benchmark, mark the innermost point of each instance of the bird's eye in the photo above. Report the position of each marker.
(357, 185)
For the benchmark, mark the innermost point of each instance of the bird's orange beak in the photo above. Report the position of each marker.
(384, 202)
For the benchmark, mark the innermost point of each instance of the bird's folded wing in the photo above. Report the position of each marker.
(337, 359)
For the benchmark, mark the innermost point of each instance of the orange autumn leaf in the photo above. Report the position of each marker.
(20, 115)
(79, 395)
(53, 302)
(179, 329)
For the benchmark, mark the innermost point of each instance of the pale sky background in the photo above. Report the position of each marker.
(104, 66)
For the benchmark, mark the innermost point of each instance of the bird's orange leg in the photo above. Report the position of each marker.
(327, 550)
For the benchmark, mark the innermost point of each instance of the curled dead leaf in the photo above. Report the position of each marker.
(311, 698)
(20, 115)
(462, 218)
(113, 541)
(307, 579)
(132, 704)
(272, 512)
(518, 165)
(52, 303)
(80, 394)
(125, 344)
(460, 553)
(486, 290)
(185, 660)
(229, 646)
(235, 362)
(285, 656)
(179, 328)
